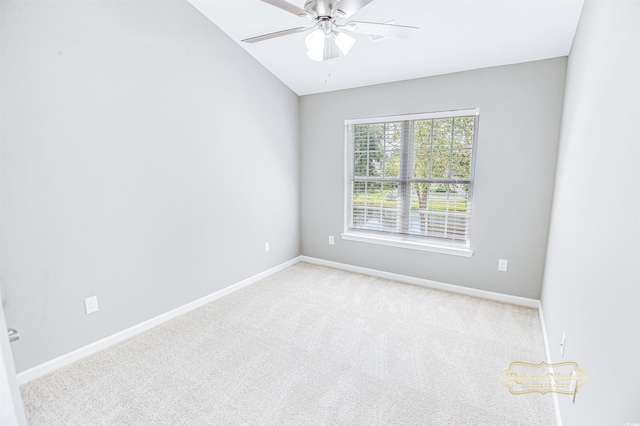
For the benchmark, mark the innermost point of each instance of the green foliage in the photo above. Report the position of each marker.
(381, 199)
(442, 150)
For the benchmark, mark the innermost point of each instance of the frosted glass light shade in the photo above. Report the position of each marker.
(315, 40)
(316, 56)
(344, 42)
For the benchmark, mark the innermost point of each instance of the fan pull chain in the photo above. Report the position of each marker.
(328, 75)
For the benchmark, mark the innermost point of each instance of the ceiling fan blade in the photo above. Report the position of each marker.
(349, 7)
(287, 7)
(381, 30)
(274, 35)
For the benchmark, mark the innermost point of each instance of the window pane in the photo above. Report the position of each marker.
(359, 193)
(368, 146)
(357, 219)
(437, 198)
(375, 206)
(440, 162)
(458, 198)
(375, 163)
(419, 198)
(374, 136)
(463, 132)
(439, 210)
(442, 133)
(393, 137)
(360, 164)
(360, 137)
(392, 146)
(461, 164)
(422, 149)
(391, 163)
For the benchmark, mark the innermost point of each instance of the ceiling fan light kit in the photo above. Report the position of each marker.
(327, 39)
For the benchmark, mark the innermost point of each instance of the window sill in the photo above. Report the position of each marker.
(395, 242)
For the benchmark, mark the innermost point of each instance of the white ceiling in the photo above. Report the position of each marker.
(454, 35)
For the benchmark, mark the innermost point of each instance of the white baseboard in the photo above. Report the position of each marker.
(61, 361)
(499, 297)
(547, 351)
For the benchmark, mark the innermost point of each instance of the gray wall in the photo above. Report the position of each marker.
(11, 411)
(146, 159)
(591, 288)
(520, 112)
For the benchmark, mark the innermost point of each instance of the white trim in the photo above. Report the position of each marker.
(499, 297)
(351, 232)
(49, 366)
(395, 242)
(419, 116)
(547, 351)
(347, 196)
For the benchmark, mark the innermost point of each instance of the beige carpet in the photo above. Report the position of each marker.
(309, 345)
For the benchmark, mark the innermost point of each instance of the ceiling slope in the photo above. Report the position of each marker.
(454, 35)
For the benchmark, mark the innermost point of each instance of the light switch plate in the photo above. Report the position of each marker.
(91, 305)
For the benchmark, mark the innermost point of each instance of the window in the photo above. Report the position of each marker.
(410, 180)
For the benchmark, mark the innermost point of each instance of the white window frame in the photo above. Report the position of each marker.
(402, 240)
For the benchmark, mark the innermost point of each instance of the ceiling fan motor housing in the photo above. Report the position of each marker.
(322, 8)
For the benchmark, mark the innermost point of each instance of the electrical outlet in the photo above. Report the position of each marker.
(91, 305)
(331, 240)
(502, 265)
(563, 343)
(266, 247)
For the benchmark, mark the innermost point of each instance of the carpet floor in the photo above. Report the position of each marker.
(309, 346)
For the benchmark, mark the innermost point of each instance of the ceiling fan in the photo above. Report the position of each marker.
(328, 38)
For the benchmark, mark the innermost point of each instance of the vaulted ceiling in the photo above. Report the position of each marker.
(454, 35)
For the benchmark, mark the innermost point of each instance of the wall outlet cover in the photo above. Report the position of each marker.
(502, 265)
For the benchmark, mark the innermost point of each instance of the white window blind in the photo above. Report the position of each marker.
(411, 177)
